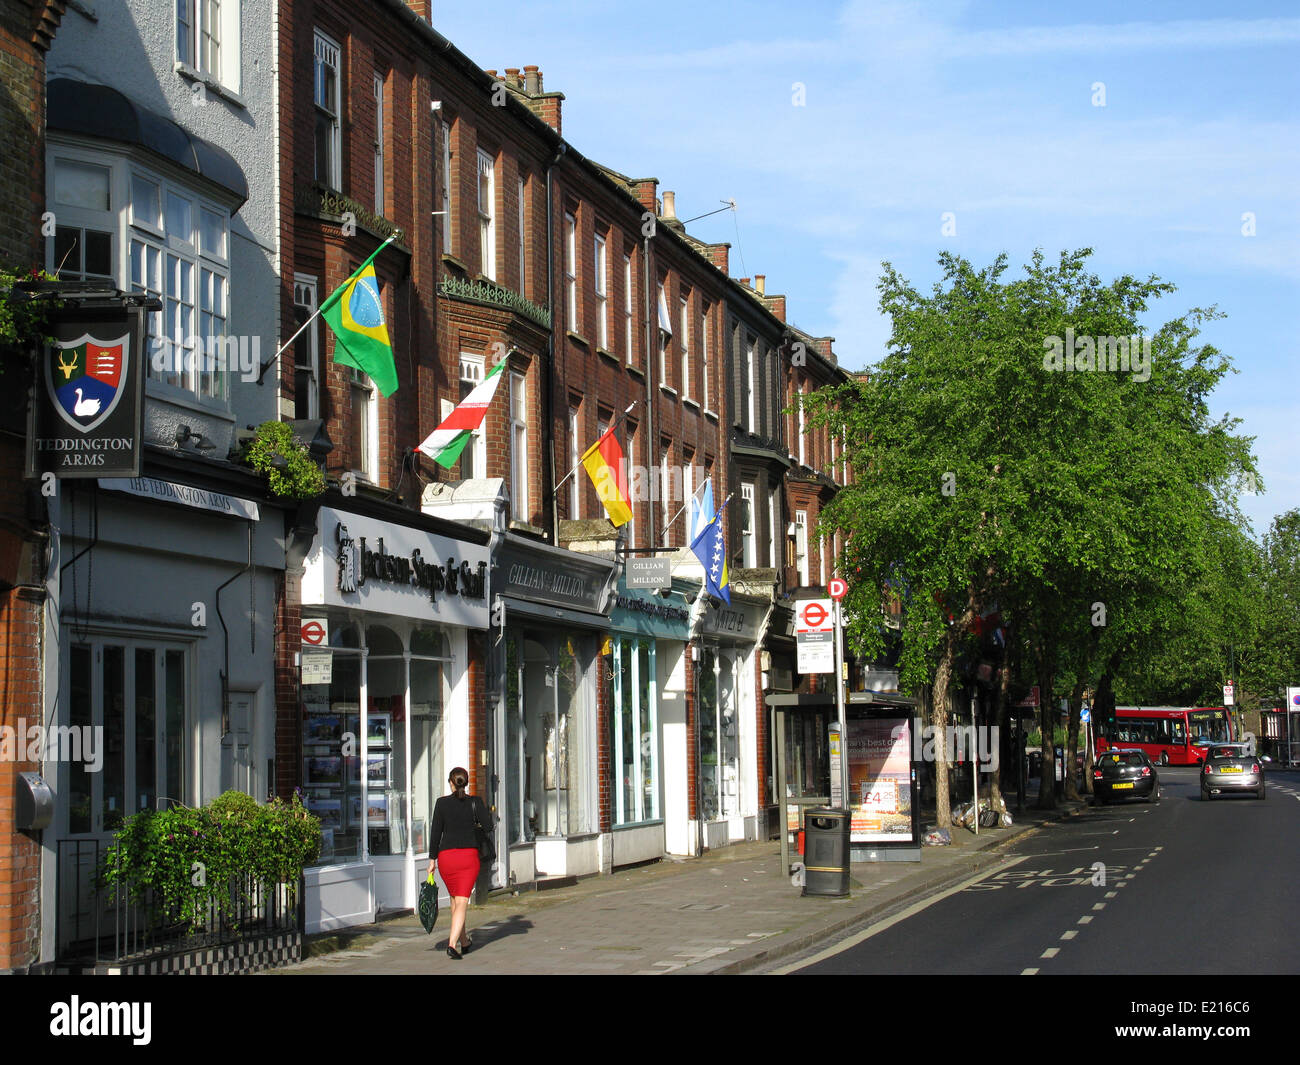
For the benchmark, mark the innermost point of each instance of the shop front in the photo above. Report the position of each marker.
(159, 661)
(544, 741)
(728, 720)
(388, 609)
(649, 742)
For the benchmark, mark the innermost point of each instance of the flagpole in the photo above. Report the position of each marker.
(560, 483)
(316, 313)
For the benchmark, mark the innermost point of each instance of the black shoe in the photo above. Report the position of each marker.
(452, 952)
(468, 943)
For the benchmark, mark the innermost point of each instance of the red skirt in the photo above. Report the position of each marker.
(459, 869)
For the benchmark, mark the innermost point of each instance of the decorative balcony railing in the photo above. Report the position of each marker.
(490, 294)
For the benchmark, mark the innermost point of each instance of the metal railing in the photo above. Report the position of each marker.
(112, 923)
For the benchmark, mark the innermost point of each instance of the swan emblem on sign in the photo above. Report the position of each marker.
(86, 378)
(85, 408)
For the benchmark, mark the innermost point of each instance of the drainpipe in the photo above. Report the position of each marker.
(549, 384)
(651, 444)
(225, 633)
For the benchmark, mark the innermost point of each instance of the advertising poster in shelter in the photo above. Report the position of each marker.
(880, 780)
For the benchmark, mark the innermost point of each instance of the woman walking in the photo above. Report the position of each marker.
(454, 842)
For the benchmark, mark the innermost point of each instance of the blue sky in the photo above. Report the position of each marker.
(985, 110)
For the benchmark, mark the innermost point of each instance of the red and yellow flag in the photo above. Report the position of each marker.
(607, 469)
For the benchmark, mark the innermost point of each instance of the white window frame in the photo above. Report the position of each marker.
(601, 272)
(665, 335)
(685, 325)
(629, 339)
(773, 524)
(575, 452)
(472, 368)
(146, 257)
(519, 509)
(821, 562)
(326, 56)
(704, 355)
(487, 225)
(379, 144)
(803, 448)
(751, 357)
(571, 272)
(305, 295)
(666, 484)
(801, 546)
(365, 406)
(202, 25)
(749, 553)
(688, 490)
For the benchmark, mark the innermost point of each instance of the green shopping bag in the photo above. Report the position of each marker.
(428, 903)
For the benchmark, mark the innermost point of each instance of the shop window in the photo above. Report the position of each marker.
(718, 736)
(135, 692)
(634, 724)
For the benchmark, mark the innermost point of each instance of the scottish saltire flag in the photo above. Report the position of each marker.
(701, 512)
(710, 548)
(446, 442)
(356, 314)
(607, 469)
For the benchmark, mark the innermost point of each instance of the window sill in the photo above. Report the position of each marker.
(451, 260)
(711, 414)
(688, 402)
(669, 390)
(180, 397)
(633, 369)
(210, 83)
(577, 338)
(607, 355)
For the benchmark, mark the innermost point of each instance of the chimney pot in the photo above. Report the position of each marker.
(670, 205)
(760, 283)
(745, 281)
(532, 80)
(492, 73)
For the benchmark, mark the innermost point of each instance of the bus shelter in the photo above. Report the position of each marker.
(883, 750)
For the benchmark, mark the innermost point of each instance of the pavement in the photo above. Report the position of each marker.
(731, 910)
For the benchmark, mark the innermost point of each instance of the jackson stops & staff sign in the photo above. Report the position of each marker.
(89, 396)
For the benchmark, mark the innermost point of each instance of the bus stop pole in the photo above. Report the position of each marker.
(839, 703)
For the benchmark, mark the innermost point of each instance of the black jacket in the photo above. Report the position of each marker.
(453, 823)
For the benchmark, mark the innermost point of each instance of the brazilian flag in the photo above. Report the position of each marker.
(356, 315)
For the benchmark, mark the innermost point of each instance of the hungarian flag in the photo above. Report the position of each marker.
(356, 314)
(446, 442)
(605, 466)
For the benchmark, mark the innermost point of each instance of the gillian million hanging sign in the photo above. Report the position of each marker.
(89, 397)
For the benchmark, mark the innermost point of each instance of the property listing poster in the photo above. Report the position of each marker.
(880, 780)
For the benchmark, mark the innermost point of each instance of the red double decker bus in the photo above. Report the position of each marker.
(1170, 735)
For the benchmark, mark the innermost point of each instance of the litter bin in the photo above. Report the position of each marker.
(826, 852)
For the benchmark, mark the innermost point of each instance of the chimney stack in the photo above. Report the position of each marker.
(760, 284)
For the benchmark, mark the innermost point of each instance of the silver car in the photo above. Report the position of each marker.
(1228, 768)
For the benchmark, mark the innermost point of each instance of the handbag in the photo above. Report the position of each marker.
(428, 904)
(487, 852)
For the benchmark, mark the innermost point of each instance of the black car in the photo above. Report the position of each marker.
(1124, 774)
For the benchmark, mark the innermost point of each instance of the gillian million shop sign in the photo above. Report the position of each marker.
(89, 397)
(393, 569)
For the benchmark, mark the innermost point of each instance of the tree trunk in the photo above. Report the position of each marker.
(939, 730)
(1047, 726)
(1072, 740)
(1000, 725)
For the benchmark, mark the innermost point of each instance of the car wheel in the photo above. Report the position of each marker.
(1155, 794)
(1205, 795)
(1260, 794)
(1164, 757)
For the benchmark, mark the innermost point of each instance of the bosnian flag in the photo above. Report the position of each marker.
(446, 442)
(701, 509)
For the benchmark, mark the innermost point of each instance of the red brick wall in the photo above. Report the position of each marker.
(288, 720)
(26, 27)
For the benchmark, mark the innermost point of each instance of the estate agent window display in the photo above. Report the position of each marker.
(364, 807)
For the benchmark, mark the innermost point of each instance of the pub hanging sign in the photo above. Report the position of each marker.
(88, 396)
